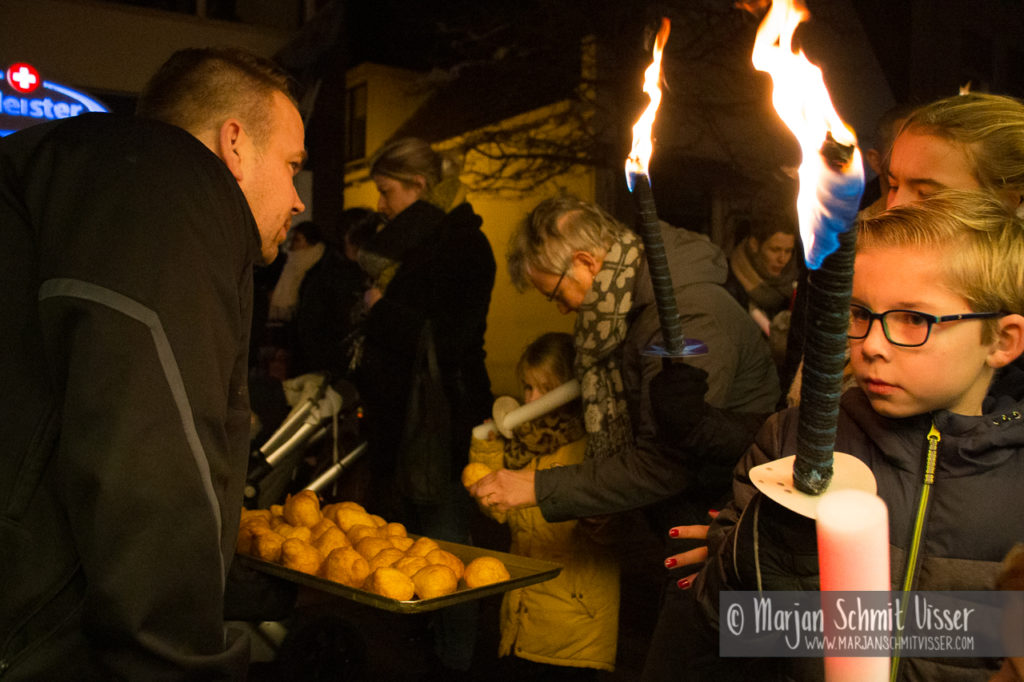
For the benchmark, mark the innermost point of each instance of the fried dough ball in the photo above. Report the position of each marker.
(247, 530)
(330, 540)
(357, 533)
(402, 543)
(277, 510)
(321, 527)
(266, 544)
(302, 509)
(369, 547)
(434, 580)
(446, 558)
(485, 570)
(385, 557)
(255, 515)
(411, 564)
(390, 582)
(395, 529)
(346, 518)
(346, 566)
(422, 547)
(473, 472)
(349, 504)
(329, 511)
(378, 520)
(298, 532)
(301, 556)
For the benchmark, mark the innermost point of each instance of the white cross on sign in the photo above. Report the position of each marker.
(24, 78)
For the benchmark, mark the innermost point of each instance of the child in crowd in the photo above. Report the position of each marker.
(971, 141)
(935, 323)
(565, 628)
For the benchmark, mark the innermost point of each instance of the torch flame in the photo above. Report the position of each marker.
(802, 101)
(639, 158)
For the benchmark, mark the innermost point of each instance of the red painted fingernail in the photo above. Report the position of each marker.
(712, 512)
(670, 562)
(673, 533)
(683, 583)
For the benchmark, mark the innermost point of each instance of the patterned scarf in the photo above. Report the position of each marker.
(544, 435)
(600, 329)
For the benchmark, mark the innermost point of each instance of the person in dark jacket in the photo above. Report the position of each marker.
(928, 389)
(128, 247)
(432, 268)
(591, 264)
(326, 312)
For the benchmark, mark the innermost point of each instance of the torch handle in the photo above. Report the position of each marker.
(828, 309)
(657, 262)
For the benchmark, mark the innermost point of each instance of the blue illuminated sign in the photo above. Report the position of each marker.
(26, 99)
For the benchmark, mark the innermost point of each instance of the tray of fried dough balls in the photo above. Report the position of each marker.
(344, 550)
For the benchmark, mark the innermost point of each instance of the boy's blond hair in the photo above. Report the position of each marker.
(982, 239)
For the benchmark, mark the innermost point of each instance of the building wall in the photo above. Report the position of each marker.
(106, 48)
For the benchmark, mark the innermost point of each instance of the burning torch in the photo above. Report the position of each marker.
(637, 164)
(851, 521)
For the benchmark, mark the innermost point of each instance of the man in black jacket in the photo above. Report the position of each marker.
(128, 247)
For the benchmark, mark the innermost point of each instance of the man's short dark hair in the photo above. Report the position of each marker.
(199, 88)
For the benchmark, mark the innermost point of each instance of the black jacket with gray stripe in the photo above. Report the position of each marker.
(127, 252)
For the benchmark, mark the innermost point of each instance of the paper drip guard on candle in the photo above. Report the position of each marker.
(775, 480)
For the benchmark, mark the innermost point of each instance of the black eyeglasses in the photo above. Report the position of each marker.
(907, 328)
(554, 292)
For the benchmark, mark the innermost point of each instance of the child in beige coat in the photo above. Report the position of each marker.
(566, 627)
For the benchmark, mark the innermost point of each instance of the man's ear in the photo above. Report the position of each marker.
(1009, 342)
(588, 260)
(230, 147)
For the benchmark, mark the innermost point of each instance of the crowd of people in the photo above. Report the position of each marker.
(130, 361)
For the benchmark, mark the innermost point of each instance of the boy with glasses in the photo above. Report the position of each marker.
(936, 317)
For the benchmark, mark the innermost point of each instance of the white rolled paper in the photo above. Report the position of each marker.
(484, 431)
(553, 399)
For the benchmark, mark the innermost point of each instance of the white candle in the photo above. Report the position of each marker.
(853, 554)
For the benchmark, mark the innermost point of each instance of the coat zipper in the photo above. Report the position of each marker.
(910, 575)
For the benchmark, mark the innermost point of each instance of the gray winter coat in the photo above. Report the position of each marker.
(741, 378)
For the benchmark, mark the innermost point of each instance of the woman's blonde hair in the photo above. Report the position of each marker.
(409, 158)
(981, 238)
(990, 128)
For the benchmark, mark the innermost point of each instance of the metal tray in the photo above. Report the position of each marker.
(524, 571)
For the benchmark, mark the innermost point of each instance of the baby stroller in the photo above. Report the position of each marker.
(294, 457)
(317, 442)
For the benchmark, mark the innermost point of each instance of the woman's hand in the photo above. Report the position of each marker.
(693, 557)
(505, 489)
